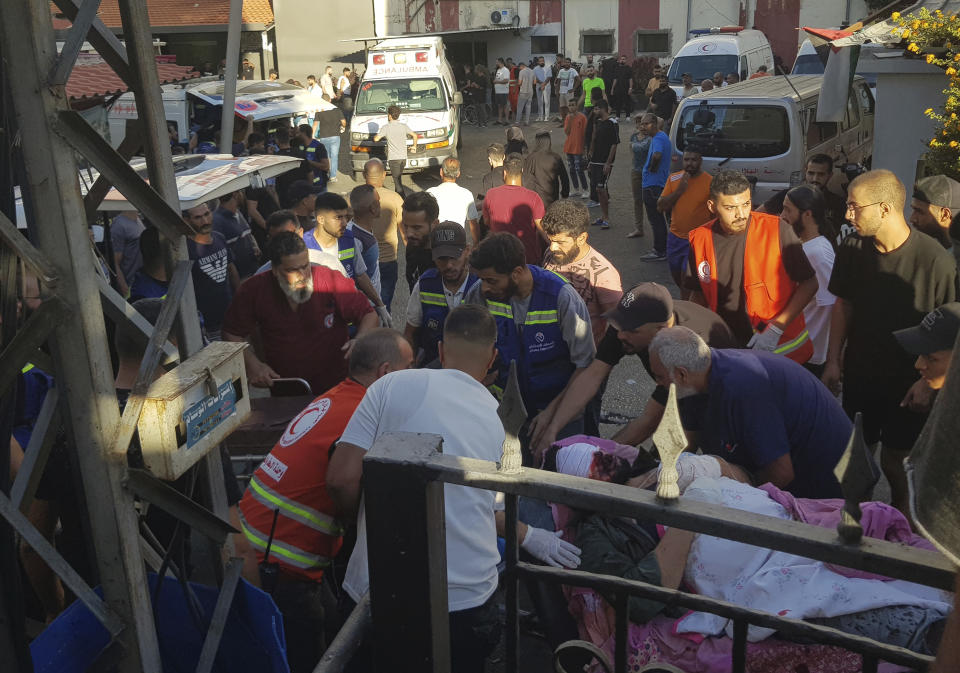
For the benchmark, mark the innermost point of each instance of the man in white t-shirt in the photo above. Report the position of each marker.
(566, 85)
(501, 87)
(456, 203)
(451, 402)
(804, 209)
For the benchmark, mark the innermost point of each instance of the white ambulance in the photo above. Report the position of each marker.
(412, 73)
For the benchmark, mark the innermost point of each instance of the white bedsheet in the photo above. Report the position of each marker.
(776, 582)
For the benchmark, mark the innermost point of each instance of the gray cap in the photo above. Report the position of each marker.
(938, 190)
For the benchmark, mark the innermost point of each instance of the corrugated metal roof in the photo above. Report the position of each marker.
(98, 79)
(181, 13)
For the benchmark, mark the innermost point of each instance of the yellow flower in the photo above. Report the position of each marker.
(956, 57)
(905, 34)
(934, 143)
(930, 58)
(913, 47)
(951, 71)
(895, 16)
(928, 111)
(954, 143)
(915, 24)
(925, 24)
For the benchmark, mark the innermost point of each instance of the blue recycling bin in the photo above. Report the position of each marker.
(252, 640)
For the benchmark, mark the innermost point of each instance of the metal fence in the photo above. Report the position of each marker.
(403, 489)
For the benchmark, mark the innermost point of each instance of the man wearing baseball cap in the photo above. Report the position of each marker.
(642, 311)
(438, 291)
(932, 342)
(936, 200)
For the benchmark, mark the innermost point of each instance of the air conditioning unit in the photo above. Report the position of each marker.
(502, 17)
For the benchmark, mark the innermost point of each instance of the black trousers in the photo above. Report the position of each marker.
(474, 633)
(396, 170)
(309, 620)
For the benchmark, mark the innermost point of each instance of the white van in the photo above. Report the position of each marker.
(412, 73)
(200, 102)
(726, 50)
(767, 128)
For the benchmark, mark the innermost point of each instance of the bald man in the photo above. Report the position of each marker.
(456, 203)
(386, 227)
(886, 277)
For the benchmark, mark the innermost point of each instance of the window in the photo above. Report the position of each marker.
(544, 44)
(819, 132)
(408, 94)
(853, 113)
(652, 42)
(596, 43)
(735, 131)
(701, 67)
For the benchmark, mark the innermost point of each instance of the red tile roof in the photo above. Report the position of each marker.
(169, 13)
(99, 79)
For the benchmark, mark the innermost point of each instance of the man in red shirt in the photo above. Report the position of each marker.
(301, 313)
(516, 210)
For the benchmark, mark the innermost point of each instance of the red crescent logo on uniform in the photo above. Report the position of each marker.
(703, 271)
(305, 421)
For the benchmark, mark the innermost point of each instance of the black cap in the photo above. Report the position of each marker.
(448, 239)
(640, 305)
(936, 332)
(300, 189)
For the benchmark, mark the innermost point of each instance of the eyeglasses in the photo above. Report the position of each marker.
(854, 207)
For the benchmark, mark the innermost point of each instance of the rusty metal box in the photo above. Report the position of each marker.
(192, 408)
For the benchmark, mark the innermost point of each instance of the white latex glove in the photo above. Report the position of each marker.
(690, 466)
(766, 340)
(385, 319)
(547, 546)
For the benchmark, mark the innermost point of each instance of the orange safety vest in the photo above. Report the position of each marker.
(766, 285)
(292, 479)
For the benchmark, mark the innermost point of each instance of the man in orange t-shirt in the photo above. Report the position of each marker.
(575, 125)
(685, 199)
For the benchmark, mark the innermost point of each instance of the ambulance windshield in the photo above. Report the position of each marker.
(410, 95)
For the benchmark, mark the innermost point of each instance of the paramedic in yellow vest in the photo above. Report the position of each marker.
(751, 270)
(287, 507)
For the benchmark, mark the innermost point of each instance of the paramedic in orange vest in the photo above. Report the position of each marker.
(291, 482)
(751, 270)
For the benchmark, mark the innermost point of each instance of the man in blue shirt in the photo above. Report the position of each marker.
(229, 222)
(656, 170)
(764, 412)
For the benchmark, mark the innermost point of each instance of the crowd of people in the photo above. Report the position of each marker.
(775, 306)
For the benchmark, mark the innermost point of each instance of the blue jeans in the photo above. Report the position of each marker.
(657, 222)
(678, 250)
(578, 178)
(332, 144)
(388, 281)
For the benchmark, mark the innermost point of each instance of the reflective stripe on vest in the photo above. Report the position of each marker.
(791, 346)
(541, 317)
(433, 298)
(349, 253)
(294, 510)
(500, 309)
(290, 554)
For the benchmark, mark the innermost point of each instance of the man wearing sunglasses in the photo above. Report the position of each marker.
(886, 277)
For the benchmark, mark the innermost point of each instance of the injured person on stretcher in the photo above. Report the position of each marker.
(890, 611)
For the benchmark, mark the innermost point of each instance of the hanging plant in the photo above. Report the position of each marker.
(935, 37)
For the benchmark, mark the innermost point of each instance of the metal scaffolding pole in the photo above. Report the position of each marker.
(83, 365)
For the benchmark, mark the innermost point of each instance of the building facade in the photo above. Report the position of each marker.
(479, 31)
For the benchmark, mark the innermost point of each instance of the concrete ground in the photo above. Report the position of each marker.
(629, 385)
